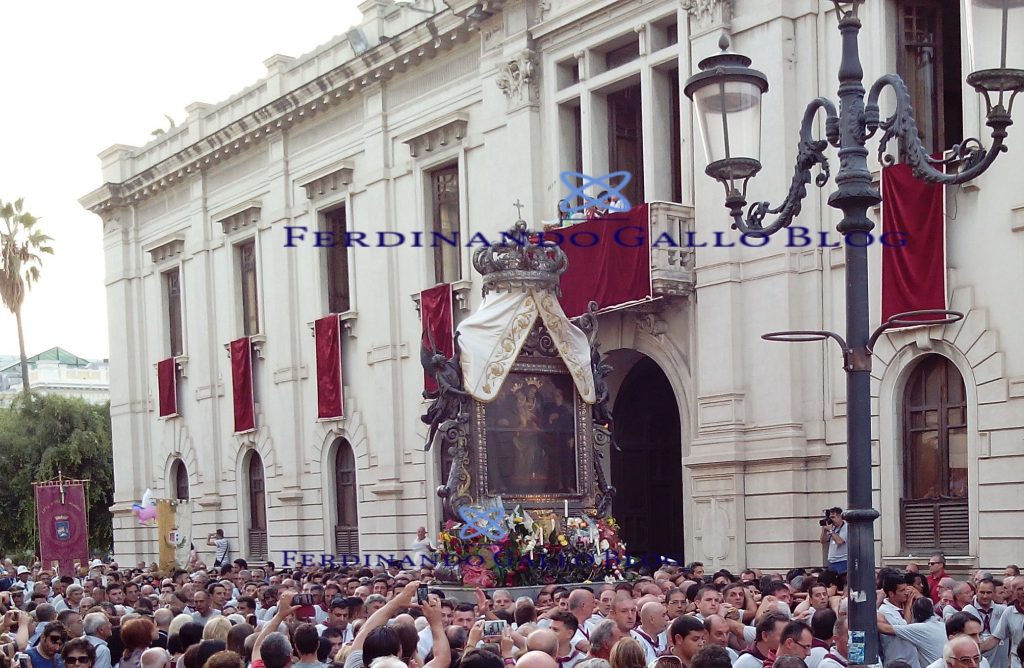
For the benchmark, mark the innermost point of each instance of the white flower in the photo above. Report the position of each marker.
(604, 544)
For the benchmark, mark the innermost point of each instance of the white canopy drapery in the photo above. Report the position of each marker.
(491, 338)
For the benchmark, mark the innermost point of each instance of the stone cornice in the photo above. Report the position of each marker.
(439, 132)
(326, 180)
(239, 216)
(401, 52)
(166, 248)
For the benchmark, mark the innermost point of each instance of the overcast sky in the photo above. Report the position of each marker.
(81, 76)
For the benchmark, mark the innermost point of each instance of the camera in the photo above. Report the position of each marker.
(827, 520)
(494, 627)
(303, 599)
(24, 661)
(421, 594)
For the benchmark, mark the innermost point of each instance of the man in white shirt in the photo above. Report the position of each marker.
(651, 633)
(837, 656)
(564, 626)
(421, 548)
(709, 602)
(960, 625)
(896, 590)
(927, 633)
(986, 611)
(1011, 624)
(218, 540)
(718, 634)
(834, 532)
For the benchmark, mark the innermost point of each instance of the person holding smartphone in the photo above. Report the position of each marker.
(833, 533)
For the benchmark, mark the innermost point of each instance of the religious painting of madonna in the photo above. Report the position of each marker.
(531, 436)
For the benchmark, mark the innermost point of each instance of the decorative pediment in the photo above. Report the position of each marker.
(437, 135)
(165, 249)
(327, 181)
(239, 217)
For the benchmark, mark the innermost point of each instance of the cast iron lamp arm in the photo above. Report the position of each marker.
(810, 152)
(973, 157)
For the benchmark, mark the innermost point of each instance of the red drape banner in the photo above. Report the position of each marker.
(167, 387)
(329, 394)
(241, 385)
(438, 325)
(609, 260)
(914, 273)
(63, 524)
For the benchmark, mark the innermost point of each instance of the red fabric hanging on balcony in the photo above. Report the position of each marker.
(241, 385)
(167, 387)
(438, 325)
(609, 260)
(329, 392)
(913, 213)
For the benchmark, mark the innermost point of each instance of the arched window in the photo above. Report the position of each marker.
(179, 474)
(934, 504)
(346, 529)
(257, 509)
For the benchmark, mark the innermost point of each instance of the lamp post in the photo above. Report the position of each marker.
(726, 94)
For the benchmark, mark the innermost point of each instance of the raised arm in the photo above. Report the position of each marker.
(442, 651)
(401, 600)
(284, 608)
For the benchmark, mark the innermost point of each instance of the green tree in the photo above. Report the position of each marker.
(21, 246)
(39, 436)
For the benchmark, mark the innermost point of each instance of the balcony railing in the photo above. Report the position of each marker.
(672, 268)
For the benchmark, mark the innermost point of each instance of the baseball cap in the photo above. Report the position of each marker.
(96, 563)
(22, 570)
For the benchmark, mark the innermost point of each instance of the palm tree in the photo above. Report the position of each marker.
(20, 248)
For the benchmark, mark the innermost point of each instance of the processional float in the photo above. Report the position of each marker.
(522, 410)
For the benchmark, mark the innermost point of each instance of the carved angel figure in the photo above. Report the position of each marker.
(449, 399)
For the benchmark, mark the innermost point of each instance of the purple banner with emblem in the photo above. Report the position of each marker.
(63, 524)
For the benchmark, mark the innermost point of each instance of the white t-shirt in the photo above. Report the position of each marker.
(421, 549)
(837, 553)
(222, 550)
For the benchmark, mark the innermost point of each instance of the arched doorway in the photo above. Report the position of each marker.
(179, 474)
(934, 507)
(647, 473)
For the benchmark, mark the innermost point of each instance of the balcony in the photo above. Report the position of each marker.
(627, 258)
(672, 268)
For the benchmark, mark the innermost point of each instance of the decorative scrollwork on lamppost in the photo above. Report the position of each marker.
(727, 99)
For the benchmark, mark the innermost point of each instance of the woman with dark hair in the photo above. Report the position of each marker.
(136, 635)
(78, 652)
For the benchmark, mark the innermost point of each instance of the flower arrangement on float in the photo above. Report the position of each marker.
(525, 552)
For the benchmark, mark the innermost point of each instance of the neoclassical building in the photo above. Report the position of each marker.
(437, 122)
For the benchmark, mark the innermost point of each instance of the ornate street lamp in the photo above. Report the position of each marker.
(726, 95)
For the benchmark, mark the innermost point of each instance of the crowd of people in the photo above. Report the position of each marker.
(236, 616)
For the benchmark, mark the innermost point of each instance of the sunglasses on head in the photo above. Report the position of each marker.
(72, 660)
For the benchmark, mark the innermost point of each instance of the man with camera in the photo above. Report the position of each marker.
(833, 532)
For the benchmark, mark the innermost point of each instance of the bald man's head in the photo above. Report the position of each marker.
(653, 617)
(543, 640)
(960, 647)
(581, 603)
(536, 659)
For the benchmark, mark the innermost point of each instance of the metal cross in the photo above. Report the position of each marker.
(519, 208)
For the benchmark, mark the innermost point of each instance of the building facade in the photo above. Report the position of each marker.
(58, 372)
(437, 123)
